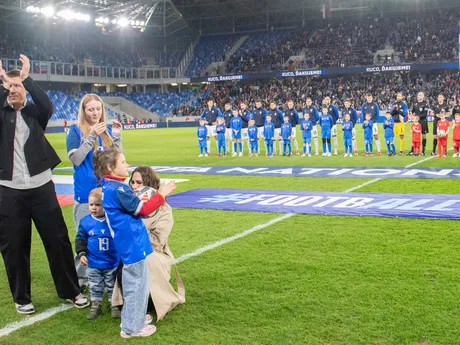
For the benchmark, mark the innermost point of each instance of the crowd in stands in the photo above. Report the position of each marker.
(383, 87)
(432, 37)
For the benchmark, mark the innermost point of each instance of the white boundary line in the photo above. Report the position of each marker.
(12, 327)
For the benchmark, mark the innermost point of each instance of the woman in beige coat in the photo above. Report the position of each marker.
(159, 226)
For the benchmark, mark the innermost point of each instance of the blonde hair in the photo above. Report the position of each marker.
(96, 193)
(84, 126)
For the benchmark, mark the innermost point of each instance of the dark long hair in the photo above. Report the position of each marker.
(149, 177)
(103, 159)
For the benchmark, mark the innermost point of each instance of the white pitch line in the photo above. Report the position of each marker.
(33, 319)
(53, 311)
(232, 238)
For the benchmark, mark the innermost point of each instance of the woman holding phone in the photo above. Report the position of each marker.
(83, 139)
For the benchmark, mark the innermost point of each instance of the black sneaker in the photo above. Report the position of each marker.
(423, 154)
(433, 154)
(411, 153)
(95, 311)
(401, 153)
(115, 312)
(25, 309)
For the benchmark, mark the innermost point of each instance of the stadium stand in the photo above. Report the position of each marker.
(210, 49)
(161, 104)
(267, 51)
(168, 59)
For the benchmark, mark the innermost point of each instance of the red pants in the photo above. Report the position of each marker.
(442, 146)
(456, 146)
(416, 146)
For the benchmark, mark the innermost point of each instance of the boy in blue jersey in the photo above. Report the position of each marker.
(221, 130)
(368, 135)
(202, 134)
(306, 127)
(123, 211)
(286, 131)
(269, 135)
(326, 122)
(347, 127)
(94, 246)
(253, 135)
(236, 124)
(388, 126)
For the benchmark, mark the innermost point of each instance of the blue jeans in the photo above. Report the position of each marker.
(100, 279)
(136, 278)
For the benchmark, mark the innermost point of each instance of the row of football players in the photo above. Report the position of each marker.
(399, 114)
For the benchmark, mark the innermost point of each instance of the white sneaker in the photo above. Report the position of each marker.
(200, 156)
(324, 154)
(147, 331)
(241, 154)
(234, 154)
(455, 155)
(206, 155)
(25, 309)
(303, 155)
(317, 154)
(350, 155)
(309, 155)
(329, 154)
(335, 153)
(345, 155)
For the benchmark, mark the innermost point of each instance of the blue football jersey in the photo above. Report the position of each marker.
(129, 233)
(100, 248)
(84, 180)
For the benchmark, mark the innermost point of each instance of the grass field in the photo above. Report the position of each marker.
(303, 280)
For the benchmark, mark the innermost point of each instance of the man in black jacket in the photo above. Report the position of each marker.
(27, 191)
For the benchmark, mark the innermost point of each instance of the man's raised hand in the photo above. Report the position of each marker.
(5, 79)
(25, 66)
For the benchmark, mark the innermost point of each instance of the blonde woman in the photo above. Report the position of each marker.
(89, 135)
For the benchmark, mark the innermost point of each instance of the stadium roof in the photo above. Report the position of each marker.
(189, 18)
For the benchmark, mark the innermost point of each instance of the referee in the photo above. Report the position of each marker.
(420, 108)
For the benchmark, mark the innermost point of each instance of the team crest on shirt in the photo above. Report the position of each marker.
(421, 109)
(100, 148)
(91, 233)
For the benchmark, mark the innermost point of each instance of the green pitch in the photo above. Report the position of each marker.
(304, 280)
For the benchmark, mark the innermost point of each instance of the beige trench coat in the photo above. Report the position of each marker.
(164, 297)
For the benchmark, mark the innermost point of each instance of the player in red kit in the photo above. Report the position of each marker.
(443, 134)
(456, 136)
(416, 130)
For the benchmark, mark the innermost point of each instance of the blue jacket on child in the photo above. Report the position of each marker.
(286, 130)
(368, 130)
(121, 207)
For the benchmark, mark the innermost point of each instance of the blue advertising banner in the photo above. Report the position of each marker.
(330, 71)
(305, 171)
(440, 206)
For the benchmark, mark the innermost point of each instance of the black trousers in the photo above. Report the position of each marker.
(18, 208)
